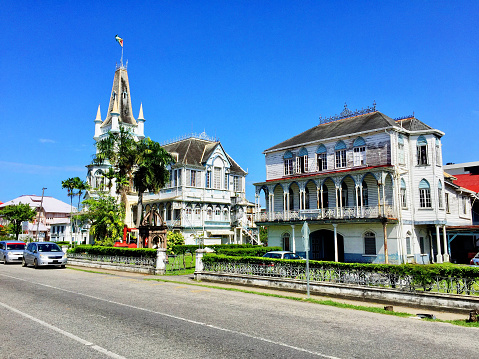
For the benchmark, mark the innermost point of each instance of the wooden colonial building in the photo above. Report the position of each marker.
(370, 188)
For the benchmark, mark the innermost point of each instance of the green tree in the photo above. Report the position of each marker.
(69, 184)
(16, 215)
(80, 186)
(151, 171)
(173, 239)
(120, 151)
(106, 217)
(263, 235)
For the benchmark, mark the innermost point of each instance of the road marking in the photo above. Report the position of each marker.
(174, 317)
(65, 333)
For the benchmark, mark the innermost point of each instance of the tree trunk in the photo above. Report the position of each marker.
(139, 211)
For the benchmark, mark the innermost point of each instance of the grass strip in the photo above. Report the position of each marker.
(88, 270)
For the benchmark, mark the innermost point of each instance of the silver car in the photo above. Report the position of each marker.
(44, 254)
(11, 251)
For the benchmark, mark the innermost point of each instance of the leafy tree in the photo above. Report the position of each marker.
(263, 235)
(80, 186)
(151, 171)
(106, 217)
(119, 150)
(110, 175)
(173, 239)
(16, 215)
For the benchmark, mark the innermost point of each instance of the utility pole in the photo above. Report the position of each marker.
(39, 211)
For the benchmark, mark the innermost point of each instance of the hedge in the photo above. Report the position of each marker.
(182, 249)
(257, 251)
(423, 274)
(114, 251)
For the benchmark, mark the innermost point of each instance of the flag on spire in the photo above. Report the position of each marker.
(119, 40)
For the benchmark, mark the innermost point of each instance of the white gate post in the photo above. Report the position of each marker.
(160, 261)
(199, 266)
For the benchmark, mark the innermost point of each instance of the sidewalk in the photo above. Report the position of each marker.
(189, 280)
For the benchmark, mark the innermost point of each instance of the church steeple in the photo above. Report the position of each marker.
(120, 92)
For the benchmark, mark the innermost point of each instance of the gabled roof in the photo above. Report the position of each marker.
(120, 94)
(413, 124)
(347, 126)
(195, 152)
(50, 204)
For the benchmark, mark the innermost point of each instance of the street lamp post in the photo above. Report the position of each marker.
(39, 211)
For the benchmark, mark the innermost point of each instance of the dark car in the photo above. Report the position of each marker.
(44, 254)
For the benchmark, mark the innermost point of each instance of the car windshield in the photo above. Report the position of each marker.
(48, 247)
(273, 255)
(14, 246)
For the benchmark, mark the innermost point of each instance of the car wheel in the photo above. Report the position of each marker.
(5, 261)
(24, 264)
(35, 263)
(62, 266)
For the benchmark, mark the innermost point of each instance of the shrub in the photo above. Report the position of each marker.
(257, 251)
(114, 251)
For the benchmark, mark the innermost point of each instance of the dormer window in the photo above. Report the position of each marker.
(421, 146)
(340, 154)
(321, 158)
(302, 161)
(288, 163)
(359, 152)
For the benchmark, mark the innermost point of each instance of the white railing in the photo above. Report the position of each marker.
(328, 213)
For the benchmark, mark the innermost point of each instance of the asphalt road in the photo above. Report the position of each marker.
(63, 313)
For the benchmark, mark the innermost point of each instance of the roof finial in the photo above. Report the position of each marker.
(140, 115)
(98, 115)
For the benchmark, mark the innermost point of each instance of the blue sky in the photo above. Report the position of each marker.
(251, 73)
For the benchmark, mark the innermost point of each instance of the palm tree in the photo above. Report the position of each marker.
(80, 186)
(119, 150)
(69, 185)
(110, 174)
(151, 171)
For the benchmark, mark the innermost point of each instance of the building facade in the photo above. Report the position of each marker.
(370, 188)
(205, 198)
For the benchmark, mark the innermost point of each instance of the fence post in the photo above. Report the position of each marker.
(199, 266)
(160, 261)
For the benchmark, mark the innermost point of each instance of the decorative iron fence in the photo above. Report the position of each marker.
(463, 286)
(131, 261)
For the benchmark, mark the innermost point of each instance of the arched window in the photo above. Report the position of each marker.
(359, 152)
(370, 243)
(424, 194)
(285, 239)
(365, 194)
(421, 146)
(225, 214)
(321, 158)
(401, 157)
(209, 214)
(302, 161)
(439, 193)
(218, 213)
(288, 163)
(197, 212)
(340, 153)
(188, 212)
(403, 194)
(344, 194)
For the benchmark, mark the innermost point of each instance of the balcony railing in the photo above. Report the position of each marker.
(328, 213)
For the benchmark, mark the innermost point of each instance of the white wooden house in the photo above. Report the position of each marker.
(370, 188)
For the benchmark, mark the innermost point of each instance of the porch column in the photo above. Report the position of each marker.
(445, 257)
(379, 200)
(357, 200)
(336, 253)
(337, 201)
(384, 200)
(361, 199)
(322, 204)
(341, 201)
(317, 198)
(288, 209)
(284, 204)
(438, 243)
(293, 238)
(386, 253)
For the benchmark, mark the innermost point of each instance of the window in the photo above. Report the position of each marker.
(421, 245)
(438, 152)
(197, 212)
(344, 194)
(359, 152)
(408, 245)
(285, 239)
(217, 172)
(188, 212)
(302, 161)
(340, 149)
(226, 181)
(401, 157)
(447, 203)
(421, 147)
(191, 179)
(370, 243)
(439, 194)
(424, 194)
(403, 194)
(464, 205)
(288, 163)
(209, 213)
(306, 198)
(237, 184)
(291, 199)
(218, 212)
(208, 179)
(321, 158)
(365, 194)
(178, 172)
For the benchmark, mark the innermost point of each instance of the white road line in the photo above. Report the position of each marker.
(65, 333)
(181, 318)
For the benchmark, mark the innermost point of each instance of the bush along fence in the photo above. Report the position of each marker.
(445, 279)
